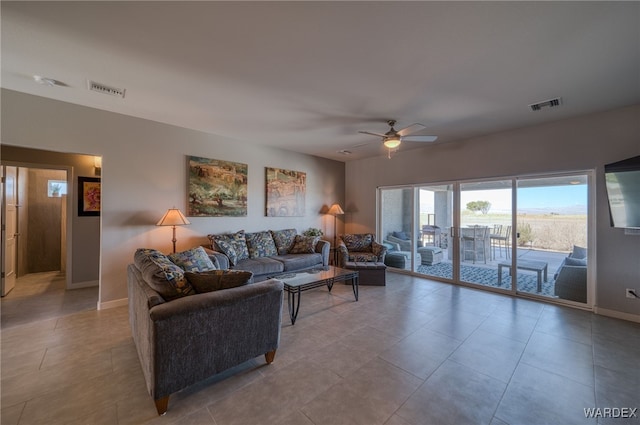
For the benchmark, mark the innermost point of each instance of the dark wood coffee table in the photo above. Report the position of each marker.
(296, 283)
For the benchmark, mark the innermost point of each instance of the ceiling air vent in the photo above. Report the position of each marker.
(551, 103)
(105, 89)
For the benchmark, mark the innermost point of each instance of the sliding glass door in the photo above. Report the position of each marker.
(435, 222)
(552, 237)
(526, 235)
(485, 232)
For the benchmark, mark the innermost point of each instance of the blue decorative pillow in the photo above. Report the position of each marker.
(304, 244)
(233, 245)
(401, 235)
(579, 252)
(166, 278)
(261, 244)
(284, 240)
(193, 260)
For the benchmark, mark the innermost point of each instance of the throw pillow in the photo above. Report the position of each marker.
(261, 244)
(161, 274)
(401, 235)
(570, 261)
(193, 260)
(358, 242)
(233, 245)
(304, 244)
(579, 252)
(284, 240)
(216, 280)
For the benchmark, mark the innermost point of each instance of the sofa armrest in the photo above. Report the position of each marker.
(403, 244)
(323, 248)
(571, 283)
(198, 336)
(220, 260)
(343, 253)
(379, 250)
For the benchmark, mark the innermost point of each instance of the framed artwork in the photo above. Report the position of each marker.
(286, 191)
(89, 194)
(216, 188)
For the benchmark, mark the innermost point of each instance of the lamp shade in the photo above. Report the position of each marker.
(335, 210)
(392, 142)
(173, 217)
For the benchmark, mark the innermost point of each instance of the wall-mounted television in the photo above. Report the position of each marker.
(622, 180)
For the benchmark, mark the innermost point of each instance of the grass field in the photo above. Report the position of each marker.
(540, 231)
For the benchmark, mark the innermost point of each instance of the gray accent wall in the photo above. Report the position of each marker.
(144, 172)
(582, 143)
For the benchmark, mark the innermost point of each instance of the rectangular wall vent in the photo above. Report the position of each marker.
(105, 89)
(551, 103)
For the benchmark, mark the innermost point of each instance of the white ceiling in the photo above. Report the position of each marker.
(306, 76)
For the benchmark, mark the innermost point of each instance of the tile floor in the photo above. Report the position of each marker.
(413, 352)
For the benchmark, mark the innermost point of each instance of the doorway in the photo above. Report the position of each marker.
(35, 216)
(524, 235)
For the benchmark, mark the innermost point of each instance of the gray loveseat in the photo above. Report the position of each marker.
(183, 337)
(270, 252)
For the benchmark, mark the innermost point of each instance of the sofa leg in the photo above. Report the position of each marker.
(270, 356)
(162, 405)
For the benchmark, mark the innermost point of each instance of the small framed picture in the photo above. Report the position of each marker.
(89, 191)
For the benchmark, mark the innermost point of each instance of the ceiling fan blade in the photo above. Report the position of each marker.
(411, 129)
(373, 134)
(419, 138)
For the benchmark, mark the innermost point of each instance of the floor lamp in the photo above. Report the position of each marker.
(335, 211)
(173, 217)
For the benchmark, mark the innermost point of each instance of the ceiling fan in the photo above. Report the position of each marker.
(393, 138)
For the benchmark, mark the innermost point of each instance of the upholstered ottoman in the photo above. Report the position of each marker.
(430, 255)
(369, 273)
(395, 259)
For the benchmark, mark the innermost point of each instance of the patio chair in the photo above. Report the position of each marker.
(474, 239)
(500, 237)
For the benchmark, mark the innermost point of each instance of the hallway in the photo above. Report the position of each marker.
(42, 296)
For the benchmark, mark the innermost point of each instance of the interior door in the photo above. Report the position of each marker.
(9, 228)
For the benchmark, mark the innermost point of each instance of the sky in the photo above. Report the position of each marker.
(550, 198)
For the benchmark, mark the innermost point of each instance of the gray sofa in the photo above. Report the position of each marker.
(193, 336)
(571, 277)
(269, 253)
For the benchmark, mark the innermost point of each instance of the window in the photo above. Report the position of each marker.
(56, 188)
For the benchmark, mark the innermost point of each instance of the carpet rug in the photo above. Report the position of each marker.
(527, 282)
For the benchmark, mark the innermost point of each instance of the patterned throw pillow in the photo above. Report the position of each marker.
(193, 260)
(261, 244)
(233, 245)
(216, 280)
(358, 242)
(304, 244)
(284, 240)
(161, 274)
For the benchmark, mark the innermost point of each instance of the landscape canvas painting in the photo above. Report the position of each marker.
(216, 188)
(286, 190)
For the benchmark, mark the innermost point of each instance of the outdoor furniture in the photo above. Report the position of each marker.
(396, 259)
(539, 267)
(430, 255)
(475, 239)
(431, 235)
(369, 273)
(500, 237)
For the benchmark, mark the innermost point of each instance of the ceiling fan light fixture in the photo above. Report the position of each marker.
(392, 142)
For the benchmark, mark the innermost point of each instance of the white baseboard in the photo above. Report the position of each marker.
(113, 304)
(87, 284)
(617, 314)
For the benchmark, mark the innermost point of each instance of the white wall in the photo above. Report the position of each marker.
(582, 143)
(144, 172)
